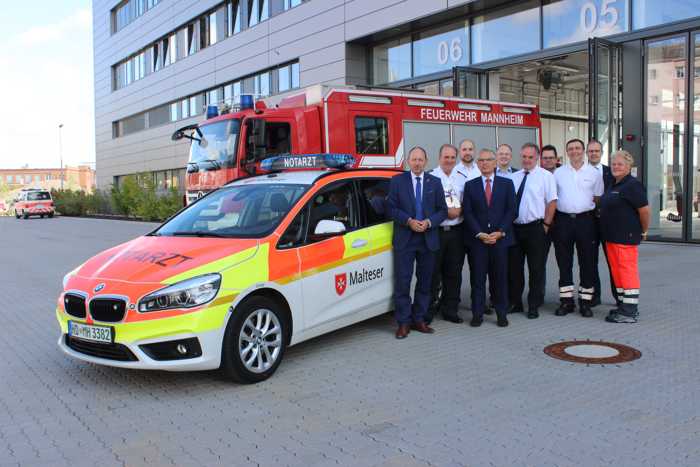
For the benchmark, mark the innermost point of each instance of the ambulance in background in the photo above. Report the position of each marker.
(377, 127)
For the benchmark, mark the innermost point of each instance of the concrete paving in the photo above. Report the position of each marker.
(356, 397)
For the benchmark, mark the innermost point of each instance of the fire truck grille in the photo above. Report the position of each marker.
(74, 305)
(110, 310)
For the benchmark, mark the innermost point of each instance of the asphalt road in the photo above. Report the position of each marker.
(463, 396)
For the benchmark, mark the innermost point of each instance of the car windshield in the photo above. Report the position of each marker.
(219, 143)
(246, 211)
(38, 196)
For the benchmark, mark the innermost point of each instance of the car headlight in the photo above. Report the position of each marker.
(186, 294)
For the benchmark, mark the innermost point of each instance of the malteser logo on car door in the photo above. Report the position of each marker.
(341, 283)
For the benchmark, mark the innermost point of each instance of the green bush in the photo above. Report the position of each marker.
(130, 199)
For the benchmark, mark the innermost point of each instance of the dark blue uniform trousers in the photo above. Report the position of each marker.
(491, 261)
(415, 253)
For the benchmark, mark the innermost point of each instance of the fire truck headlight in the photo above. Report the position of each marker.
(189, 293)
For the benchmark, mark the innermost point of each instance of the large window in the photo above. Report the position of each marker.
(441, 49)
(371, 135)
(392, 61)
(127, 11)
(647, 13)
(508, 32)
(568, 21)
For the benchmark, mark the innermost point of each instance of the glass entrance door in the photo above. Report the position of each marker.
(604, 102)
(693, 210)
(665, 136)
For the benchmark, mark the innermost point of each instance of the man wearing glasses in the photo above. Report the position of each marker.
(489, 211)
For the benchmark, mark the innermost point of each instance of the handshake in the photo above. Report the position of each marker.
(418, 226)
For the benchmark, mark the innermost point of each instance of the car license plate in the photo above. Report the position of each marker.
(90, 333)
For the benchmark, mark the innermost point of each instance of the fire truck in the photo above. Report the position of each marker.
(378, 127)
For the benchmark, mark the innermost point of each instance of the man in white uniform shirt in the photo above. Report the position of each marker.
(535, 204)
(467, 166)
(579, 186)
(450, 257)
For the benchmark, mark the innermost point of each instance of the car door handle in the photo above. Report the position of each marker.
(359, 243)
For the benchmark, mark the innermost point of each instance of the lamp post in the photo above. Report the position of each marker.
(60, 151)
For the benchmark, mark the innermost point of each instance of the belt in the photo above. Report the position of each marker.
(575, 215)
(529, 224)
(447, 228)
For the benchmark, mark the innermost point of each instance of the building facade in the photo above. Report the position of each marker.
(81, 177)
(621, 71)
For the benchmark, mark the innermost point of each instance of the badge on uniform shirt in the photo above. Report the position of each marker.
(451, 197)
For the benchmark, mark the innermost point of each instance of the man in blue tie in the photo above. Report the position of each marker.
(489, 211)
(417, 206)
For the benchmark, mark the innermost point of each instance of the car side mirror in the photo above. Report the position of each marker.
(329, 228)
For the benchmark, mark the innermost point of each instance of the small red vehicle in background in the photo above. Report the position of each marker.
(34, 202)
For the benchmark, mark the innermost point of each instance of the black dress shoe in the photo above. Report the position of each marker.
(502, 322)
(475, 322)
(516, 309)
(453, 319)
(586, 311)
(533, 314)
(564, 309)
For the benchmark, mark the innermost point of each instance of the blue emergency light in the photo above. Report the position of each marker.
(247, 101)
(307, 161)
(212, 111)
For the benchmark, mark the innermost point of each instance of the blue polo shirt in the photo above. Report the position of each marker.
(619, 219)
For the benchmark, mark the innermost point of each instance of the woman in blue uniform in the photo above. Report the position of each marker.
(624, 220)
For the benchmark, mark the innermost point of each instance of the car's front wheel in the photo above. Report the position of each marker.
(254, 341)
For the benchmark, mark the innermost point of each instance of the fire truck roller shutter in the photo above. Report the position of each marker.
(516, 137)
(429, 136)
(483, 136)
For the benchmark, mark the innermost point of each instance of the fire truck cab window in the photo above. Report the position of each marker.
(371, 135)
(278, 135)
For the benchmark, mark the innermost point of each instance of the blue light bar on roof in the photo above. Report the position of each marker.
(307, 161)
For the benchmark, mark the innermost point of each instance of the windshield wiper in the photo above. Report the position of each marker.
(214, 162)
(196, 233)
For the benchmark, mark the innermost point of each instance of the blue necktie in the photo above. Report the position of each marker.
(419, 200)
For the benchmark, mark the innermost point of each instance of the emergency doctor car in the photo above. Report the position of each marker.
(232, 280)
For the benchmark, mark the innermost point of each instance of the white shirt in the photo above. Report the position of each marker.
(508, 173)
(576, 188)
(453, 186)
(469, 172)
(540, 190)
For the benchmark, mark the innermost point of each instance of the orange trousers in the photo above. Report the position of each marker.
(623, 260)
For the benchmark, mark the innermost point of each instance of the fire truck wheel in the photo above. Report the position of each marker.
(254, 341)
(25, 214)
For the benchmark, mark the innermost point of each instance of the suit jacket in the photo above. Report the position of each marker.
(479, 217)
(608, 179)
(402, 206)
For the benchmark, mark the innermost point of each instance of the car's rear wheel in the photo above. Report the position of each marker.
(255, 341)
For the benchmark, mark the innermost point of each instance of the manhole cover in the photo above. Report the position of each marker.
(592, 352)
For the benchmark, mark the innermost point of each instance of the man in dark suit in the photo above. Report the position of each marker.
(417, 206)
(489, 212)
(594, 151)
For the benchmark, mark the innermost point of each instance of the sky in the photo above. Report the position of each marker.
(46, 78)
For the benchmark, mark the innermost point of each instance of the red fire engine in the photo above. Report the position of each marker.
(376, 127)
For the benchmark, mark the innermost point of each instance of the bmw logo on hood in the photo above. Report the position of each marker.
(99, 287)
